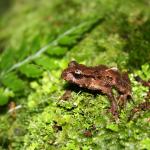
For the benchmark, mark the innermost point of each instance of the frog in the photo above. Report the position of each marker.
(103, 79)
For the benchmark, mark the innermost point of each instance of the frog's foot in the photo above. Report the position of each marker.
(114, 107)
(114, 113)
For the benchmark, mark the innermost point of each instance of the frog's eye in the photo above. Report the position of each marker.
(78, 76)
(78, 72)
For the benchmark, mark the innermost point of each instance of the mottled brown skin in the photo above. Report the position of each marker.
(100, 78)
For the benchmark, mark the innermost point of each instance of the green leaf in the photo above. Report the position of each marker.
(58, 51)
(145, 67)
(68, 40)
(12, 81)
(5, 94)
(7, 59)
(31, 70)
(3, 98)
(145, 143)
(47, 63)
(112, 127)
(146, 70)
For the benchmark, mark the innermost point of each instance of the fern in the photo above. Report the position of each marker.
(13, 82)
(45, 58)
(31, 70)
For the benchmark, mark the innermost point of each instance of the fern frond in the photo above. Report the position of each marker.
(43, 59)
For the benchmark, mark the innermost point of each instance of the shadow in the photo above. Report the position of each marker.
(77, 89)
(81, 36)
(2, 45)
(4, 6)
(3, 109)
(137, 37)
(137, 44)
(4, 142)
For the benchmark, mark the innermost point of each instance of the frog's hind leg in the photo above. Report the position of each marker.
(141, 107)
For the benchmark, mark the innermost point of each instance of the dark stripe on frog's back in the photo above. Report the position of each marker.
(93, 71)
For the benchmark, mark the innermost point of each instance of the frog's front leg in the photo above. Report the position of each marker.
(122, 100)
(114, 108)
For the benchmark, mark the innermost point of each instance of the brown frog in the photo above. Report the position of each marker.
(100, 78)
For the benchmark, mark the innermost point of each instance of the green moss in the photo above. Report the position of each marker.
(44, 121)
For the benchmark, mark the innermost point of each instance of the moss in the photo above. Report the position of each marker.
(44, 121)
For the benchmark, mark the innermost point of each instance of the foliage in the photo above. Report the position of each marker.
(37, 45)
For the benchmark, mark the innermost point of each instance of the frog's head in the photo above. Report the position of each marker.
(73, 72)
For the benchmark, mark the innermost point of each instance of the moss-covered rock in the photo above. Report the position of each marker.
(37, 41)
